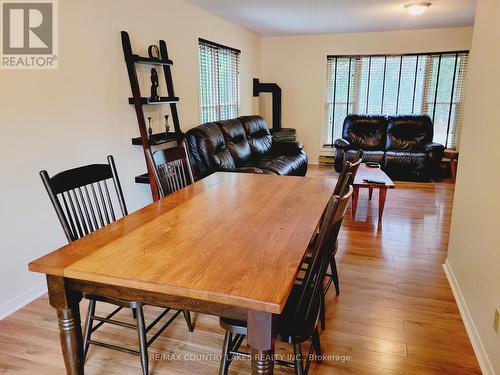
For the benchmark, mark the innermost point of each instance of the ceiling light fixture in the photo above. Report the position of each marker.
(417, 8)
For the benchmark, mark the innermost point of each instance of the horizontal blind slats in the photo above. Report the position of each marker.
(219, 82)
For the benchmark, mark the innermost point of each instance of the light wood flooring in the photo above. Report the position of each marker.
(395, 315)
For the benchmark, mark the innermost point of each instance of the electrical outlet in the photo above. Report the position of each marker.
(496, 320)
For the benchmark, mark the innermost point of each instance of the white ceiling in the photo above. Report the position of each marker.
(295, 17)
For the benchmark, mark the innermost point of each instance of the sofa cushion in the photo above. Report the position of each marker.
(258, 135)
(208, 149)
(283, 164)
(374, 156)
(236, 140)
(367, 132)
(401, 163)
(409, 133)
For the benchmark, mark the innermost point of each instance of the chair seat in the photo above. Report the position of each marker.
(113, 301)
(288, 327)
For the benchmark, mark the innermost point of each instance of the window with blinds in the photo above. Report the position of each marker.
(429, 84)
(219, 81)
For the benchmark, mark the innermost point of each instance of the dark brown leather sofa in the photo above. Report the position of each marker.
(244, 145)
(401, 144)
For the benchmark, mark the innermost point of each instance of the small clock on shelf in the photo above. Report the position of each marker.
(154, 52)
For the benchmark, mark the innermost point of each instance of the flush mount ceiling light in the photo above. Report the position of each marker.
(417, 8)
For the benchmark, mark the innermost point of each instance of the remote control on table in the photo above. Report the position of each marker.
(378, 182)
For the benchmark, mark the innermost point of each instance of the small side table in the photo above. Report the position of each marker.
(453, 156)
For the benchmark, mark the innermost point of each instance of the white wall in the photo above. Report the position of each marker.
(298, 65)
(79, 113)
(474, 251)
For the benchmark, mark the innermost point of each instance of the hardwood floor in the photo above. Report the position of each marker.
(395, 315)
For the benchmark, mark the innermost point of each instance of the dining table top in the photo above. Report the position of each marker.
(231, 238)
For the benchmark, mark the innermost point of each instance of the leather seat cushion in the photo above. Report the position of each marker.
(409, 132)
(257, 133)
(405, 162)
(236, 140)
(282, 165)
(367, 132)
(374, 156)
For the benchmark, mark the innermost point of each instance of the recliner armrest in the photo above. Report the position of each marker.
(435, 154)
(287, 148)
(433, 147)
(341, 143)
(242, 170)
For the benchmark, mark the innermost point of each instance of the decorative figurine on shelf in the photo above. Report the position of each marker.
(150, 129)
(167, 127)
(154, 86)
(153, 52)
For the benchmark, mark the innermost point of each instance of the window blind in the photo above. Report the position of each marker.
(219, 81)
(429, 84)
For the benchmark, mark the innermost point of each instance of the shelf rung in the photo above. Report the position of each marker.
(142, 179)
(156, 139)
(150, 61)
(163, 100)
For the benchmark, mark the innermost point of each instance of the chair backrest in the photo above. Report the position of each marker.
(172, 169)
(311, 287)
(82, 199)
(348, 168)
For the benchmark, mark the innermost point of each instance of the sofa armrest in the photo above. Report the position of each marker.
(434, 147)
(242, 170)
(341, 143)
(435, 154)
(434, 151)
(287, 148)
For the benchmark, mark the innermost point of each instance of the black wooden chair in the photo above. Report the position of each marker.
(346, 176)
(172, 169)
(348, 173)
(84, 202)
(299, 321)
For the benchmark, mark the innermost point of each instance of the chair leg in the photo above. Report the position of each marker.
(134, 314)
(322, 312)
(88, 328)
(225, 358)
(335, 276)
(299, 365)
(143, 346)
(187, 317)
(317, 345)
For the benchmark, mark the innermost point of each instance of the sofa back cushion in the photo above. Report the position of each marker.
(409, 132)
(367, 132)
(258, 136)
(208, 149)
(236, 140)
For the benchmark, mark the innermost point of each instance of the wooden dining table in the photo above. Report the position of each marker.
(229, 245)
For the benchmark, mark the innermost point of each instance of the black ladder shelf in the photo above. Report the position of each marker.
(138, 101)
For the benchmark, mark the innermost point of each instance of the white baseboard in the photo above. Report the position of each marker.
(470, 327)
(22, 299)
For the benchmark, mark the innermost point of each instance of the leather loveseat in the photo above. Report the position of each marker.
(401, 144)
(245, 145)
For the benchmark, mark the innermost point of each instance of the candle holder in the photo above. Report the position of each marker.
(150, 129)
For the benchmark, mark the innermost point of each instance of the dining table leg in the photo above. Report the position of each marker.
(66, 303)
(261, 338)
